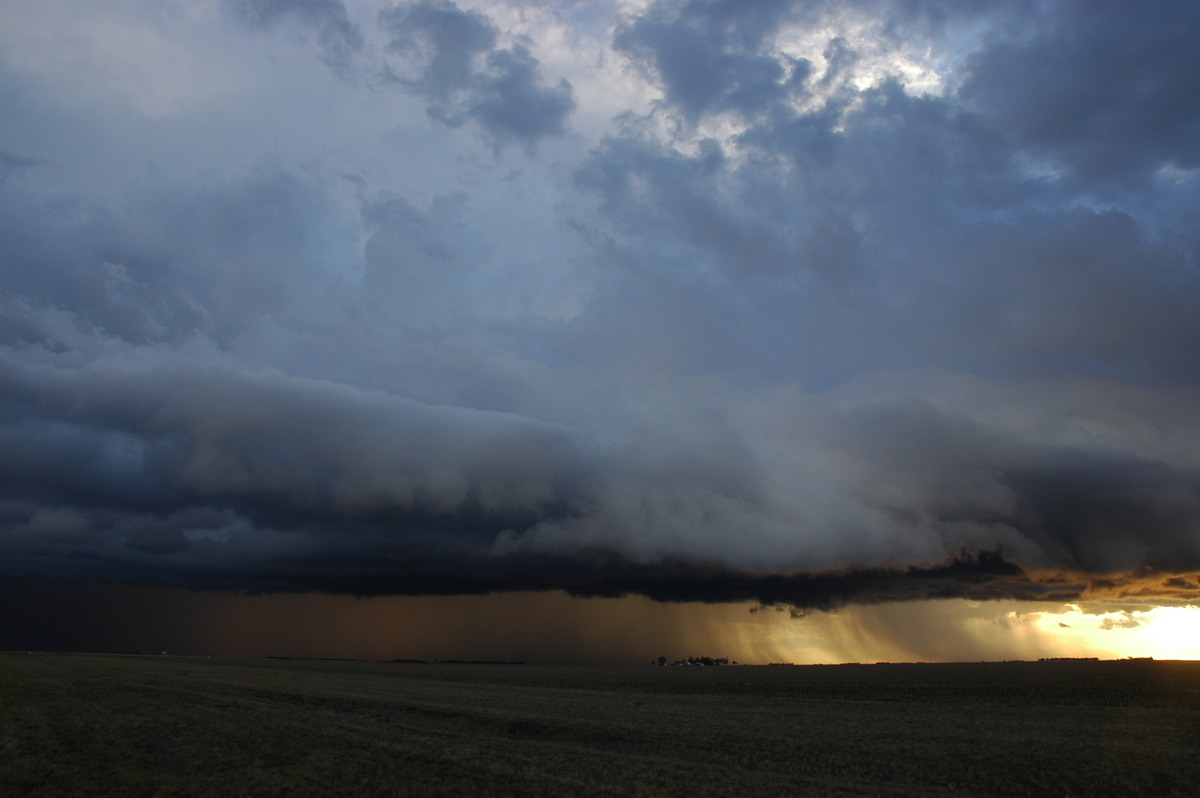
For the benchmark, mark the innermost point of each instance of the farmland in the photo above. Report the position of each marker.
(142, 725)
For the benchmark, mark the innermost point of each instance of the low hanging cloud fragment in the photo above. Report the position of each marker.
(450, 58)
(338, 38)
(1109, 102)
(12, 164)
(710, 60)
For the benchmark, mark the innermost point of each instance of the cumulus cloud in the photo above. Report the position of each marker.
(826, 320)
(1124, 621)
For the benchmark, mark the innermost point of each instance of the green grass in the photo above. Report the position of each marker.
(77, 725)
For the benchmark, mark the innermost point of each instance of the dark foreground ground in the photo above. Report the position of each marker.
(139, 725)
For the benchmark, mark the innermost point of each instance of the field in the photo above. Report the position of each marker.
(140, 725)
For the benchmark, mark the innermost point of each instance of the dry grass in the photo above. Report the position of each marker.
(110, 725)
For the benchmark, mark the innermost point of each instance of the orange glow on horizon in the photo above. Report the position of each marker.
(557, 628)
(554, 627)
(1160, 632)
(961, 630)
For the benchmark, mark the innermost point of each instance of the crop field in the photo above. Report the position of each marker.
(76, 725)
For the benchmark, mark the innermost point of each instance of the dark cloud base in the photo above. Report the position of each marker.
(215, 478)
(978, 576)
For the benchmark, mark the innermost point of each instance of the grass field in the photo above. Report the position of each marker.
(76, 725)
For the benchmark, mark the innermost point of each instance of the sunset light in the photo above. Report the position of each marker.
(946, 631)
(1161, 632)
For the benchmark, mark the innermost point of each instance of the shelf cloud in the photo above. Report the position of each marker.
(803, 304)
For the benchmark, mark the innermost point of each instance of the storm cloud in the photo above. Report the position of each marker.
(803, 304)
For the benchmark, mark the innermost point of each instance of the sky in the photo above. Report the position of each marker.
(580, 330)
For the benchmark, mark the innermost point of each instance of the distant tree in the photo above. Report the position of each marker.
(662, 660)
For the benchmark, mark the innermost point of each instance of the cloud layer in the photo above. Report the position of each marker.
(800, 303)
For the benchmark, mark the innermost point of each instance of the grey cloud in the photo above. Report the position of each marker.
(13, 164)
(1108, 93)
(300, 443)
(918, 218)
(1101, 290)
(707, 56)
(463, 75)
(191, 466)
(1125, 622)
(511, 103)
(172, 264)
(339, 39)
(892, 154)
(911, 19)
(1048, 506)
(1089, 504)
(412, 265)
(198, 471)
(448, 40)
(649, 190)
(712, 56)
